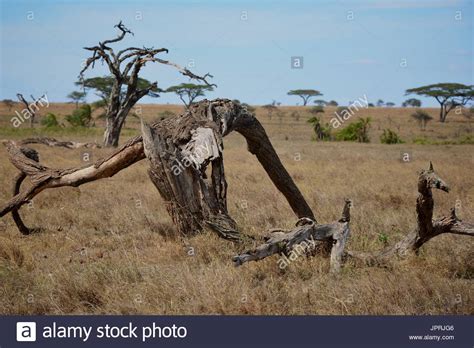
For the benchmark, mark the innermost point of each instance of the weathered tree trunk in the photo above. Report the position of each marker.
(304, 239)
(193, 200)
(442, 113)
(179, 150)
(112, 132)
(426, 228)
(259, 144)
(33, 155)
(56, 143)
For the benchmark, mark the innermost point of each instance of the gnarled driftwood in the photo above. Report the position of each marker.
(304, 238)
(426, 228)
(58, 143)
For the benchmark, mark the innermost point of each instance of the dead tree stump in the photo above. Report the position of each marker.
(426, 228)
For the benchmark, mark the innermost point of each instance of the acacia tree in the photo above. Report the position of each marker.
(188, 92)
(448, 95)
(305, 94)
(125, 66)
(413, 102)
(321, 102)
(76, 97)
(315, 110)
(103, 85)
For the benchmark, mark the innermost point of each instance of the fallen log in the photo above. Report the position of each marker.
(43, 177)
(303, 239)
(57, 143)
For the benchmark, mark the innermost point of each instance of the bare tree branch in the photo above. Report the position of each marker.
(125, 67)
(28, 106)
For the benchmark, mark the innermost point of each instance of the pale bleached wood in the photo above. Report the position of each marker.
(426, 228)
(58, 143)
(306, 232)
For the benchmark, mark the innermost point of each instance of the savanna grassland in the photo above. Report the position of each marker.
(110, 247)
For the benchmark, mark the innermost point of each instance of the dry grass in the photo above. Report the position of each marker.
(109, 246)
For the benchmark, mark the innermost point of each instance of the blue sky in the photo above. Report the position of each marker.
(350, 48)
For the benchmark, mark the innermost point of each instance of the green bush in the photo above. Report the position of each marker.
(80, 117)
(356, 131)
(321, 132)
(390, 137)
(50, 121)
(422, 141)
(316, 109)
(467, 139)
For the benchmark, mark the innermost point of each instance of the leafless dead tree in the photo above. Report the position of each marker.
(125, 66)
(30, 107)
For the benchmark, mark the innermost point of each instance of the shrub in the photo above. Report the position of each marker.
(422, 118)
(322, 132)
(80, 117)
(422, 141)
(316, 109)
(390, 137)
(356, 131)
(50, 121)
(467, 139)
